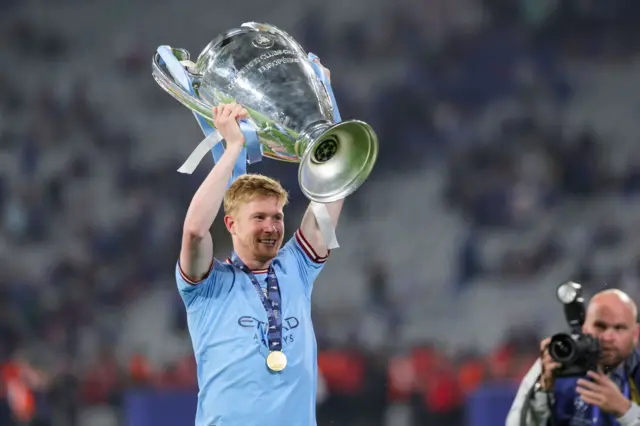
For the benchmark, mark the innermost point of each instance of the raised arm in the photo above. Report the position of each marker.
(196, 254)
(311, 231)
(309, 226)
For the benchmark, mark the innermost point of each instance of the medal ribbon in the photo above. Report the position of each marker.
(270, 302)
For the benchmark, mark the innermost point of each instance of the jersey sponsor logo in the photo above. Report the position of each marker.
(260, 327)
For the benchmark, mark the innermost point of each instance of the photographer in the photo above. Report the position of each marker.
(588, 377)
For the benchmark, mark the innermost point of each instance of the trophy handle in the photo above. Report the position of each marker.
(177, 89)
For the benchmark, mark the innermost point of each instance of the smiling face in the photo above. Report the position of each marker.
(611, 318)
(257, 229)
(254, 207)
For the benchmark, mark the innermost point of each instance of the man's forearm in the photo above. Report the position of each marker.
(206, 202)
(311, 230)
(333, 209)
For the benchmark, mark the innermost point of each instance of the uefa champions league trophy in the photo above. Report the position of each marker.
(293, 116)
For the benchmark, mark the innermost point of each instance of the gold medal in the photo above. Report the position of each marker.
(276, 361)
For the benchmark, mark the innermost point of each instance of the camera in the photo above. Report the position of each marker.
(576, 352)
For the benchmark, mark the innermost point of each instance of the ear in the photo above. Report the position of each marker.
(636, 334)
(229, 222)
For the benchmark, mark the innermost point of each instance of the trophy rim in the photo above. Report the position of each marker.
(217, 41)
(356, 181)
(247, 27)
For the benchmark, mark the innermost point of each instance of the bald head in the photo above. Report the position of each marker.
(612, 318)
(615, 299)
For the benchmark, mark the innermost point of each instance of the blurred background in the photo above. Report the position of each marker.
(508, 132)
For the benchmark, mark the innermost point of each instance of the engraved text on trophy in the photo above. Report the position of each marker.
(265, 62)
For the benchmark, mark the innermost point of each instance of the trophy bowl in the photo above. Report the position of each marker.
(266, 71)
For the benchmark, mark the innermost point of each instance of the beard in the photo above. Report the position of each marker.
(611, 358)
(258, 249)
(266, 247)
(265, 253)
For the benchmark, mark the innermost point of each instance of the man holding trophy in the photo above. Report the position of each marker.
(249, 316)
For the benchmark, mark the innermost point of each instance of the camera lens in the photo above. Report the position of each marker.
(562, 348)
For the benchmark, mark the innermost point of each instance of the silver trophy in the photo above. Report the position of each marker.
(264, 69)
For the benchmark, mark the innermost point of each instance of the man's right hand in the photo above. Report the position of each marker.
(547, 380)
(225, 120)
(196, 255)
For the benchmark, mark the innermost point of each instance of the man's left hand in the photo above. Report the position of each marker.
(602, 392)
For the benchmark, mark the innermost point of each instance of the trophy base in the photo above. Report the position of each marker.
(337, 160)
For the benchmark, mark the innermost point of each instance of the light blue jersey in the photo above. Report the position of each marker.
(228, 328)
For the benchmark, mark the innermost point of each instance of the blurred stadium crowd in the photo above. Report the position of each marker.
(507, 165)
